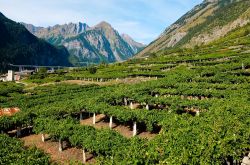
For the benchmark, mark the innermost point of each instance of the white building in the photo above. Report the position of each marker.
(10, 76)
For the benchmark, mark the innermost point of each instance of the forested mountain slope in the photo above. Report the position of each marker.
(19, 46)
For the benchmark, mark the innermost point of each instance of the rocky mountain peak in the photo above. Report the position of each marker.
(211, 1)
(104, 25)
(130, 40)
(136, 46)
(92, 44)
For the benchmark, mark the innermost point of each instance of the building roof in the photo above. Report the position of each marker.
(8, 111)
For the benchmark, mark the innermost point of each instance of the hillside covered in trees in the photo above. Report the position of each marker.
(19, 46)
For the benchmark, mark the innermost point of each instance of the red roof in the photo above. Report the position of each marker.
(8, 111)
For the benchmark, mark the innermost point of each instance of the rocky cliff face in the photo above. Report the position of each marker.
(101, 43)
(136, 46)
(204, 24)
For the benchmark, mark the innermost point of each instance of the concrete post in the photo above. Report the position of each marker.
(125, 101)
(242, 65)
(60, 145)
(43, 138)
(83, 156)
(94, 119)
(134, 129)
(131, 105)
(81, 117)
(18, 133)
(110, 122)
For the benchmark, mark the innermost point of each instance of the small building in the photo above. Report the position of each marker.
(10, 76)
(3, 78)
(25, 73)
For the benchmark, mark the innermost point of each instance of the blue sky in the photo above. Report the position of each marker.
(143, 20)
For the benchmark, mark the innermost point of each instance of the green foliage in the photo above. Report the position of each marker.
(12, 151)
(92, 70)
(209, 79)
(6, 89)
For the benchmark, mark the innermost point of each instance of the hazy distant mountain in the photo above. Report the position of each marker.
(101, 43)
(205, 23)
(19, 46)
(136, 46)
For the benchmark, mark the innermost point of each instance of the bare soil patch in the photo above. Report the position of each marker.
(67, 156)
(125, 130)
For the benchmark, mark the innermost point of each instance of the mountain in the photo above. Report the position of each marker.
(101, 43)
(206, 22)
(136, 46)
(19, 46)
(56, 34)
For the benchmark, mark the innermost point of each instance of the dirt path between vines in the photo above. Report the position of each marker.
(124, 130)
(122, 81)
(67, 156)
(29, 86)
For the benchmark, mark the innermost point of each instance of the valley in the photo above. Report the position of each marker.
(174, 102)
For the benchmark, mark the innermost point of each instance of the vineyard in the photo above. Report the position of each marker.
(194, 103)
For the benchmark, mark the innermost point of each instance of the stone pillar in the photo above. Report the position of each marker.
(134, 129)
(43, 138)
(131, 105)
(242, 65)
(18, 133)
(83, 156)
(81, 116)
(125, 101)
(246, 160)
(110, 122)
(94, 119)
(60, 145)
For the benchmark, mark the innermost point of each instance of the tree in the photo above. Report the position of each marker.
(92, 70)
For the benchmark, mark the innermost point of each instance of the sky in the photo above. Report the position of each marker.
(143, 20)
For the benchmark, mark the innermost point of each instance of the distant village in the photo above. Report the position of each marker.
(12, 75)
(15, 76)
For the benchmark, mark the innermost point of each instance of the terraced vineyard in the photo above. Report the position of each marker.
(192, 108)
